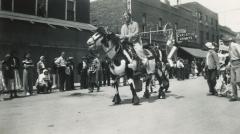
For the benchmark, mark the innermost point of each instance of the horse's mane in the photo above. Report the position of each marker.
(109, 36)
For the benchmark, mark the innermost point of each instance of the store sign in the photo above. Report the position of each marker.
(185, 36)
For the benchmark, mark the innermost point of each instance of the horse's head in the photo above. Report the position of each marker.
(107, 40)
(97, 39)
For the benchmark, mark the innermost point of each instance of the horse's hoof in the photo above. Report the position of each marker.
(161, 95)
(146, 94)
(135, 100)
(116, 99)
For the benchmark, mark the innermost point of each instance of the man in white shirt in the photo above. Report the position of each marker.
(212, 67)
(61, 64)
(234, 53)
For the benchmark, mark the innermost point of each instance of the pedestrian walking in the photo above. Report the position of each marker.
(93, 75)
(212, 66)
(234, 53)
(28, 74)
(61, 64)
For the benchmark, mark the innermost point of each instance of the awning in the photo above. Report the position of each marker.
(48, 21)
(195, 52)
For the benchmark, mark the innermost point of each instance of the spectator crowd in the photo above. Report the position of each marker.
(18, 76)
(220, 68)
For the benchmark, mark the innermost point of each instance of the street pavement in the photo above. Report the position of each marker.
(186, 110)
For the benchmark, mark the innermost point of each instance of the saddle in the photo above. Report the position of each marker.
(128, 46)
(153, 50)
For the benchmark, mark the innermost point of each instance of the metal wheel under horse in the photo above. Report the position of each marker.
(114, 48)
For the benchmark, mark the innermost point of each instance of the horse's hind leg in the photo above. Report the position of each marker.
(116, 98)
(152, 83)
(146, 93)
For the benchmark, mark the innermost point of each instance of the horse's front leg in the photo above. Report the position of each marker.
(116, 98)
(161, 93)
(152, 83)
(135, 99)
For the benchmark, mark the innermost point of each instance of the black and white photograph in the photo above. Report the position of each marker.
(119, 66)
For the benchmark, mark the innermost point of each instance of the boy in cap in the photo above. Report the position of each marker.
(212, 66)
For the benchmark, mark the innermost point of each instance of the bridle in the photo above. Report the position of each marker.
(109, 50)
(95, 40)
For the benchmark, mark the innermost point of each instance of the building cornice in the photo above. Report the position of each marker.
(48, 21)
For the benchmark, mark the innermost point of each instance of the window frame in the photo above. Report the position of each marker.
(144, 22)
(36, 7)
(74, 9)
(160, 21)
(12, 5)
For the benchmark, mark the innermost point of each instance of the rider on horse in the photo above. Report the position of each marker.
(129, 34)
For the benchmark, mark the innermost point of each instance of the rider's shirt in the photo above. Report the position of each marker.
(234, 52)
(130, 30)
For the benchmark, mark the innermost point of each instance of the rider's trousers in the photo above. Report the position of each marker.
(140, 52)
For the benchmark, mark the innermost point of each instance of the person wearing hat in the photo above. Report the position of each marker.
(212, 67)
(234, 53)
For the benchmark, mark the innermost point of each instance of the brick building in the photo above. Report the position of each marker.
(152, 15)
(206, 26)
(44, 27)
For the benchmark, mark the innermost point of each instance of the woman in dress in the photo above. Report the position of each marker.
(2, 83)
(28, 74)
(16, 68)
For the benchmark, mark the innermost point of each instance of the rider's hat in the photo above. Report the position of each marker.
(209, 45)
(227, 39)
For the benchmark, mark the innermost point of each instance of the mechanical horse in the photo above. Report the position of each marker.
(113, 48)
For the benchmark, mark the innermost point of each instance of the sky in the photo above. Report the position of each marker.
(228, 11)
